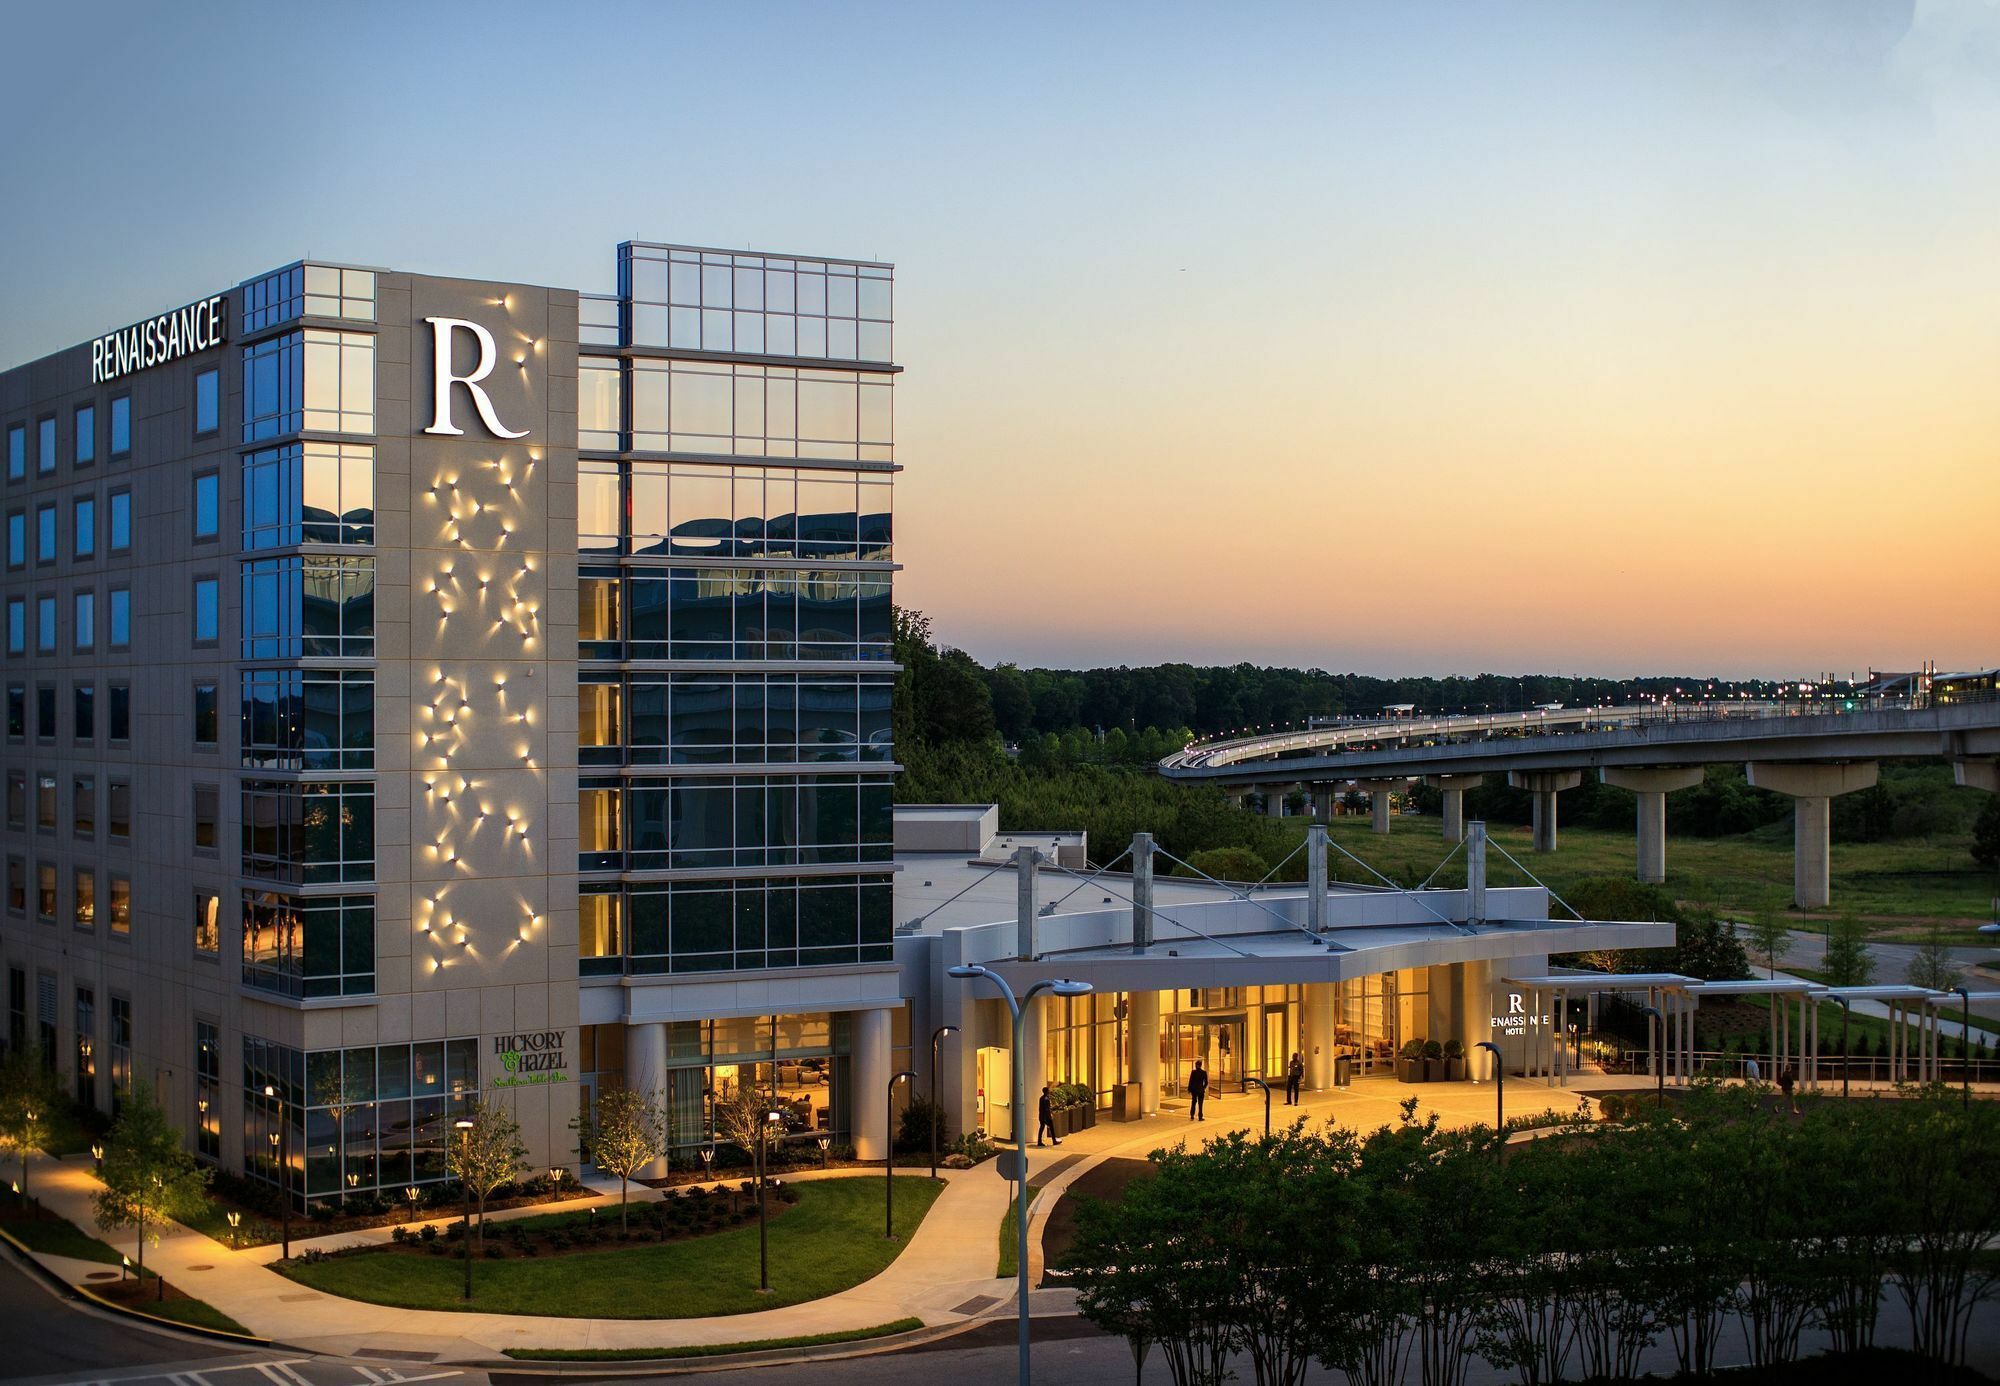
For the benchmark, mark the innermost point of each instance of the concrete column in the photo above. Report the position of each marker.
(1652, 785)
(1475, 873)
(1142, 892)
(867, 1104)
(1811, 787)
(1025, 861)
(1035, 1030)
(1142, 1049)
(1380, 799)
(1977, 774)
(646, 1074)
(1316, 878)
(1453, 788)
(1474, 983)
(1320, 1007)
(1274, 800)
(1545, 785)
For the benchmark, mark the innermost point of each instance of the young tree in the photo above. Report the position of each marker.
(625, 1131)
(486, 1156)
(1933, 966)
(1848, 963)
(1986, 834)
(149, 1175)
(29, 1092)
(745, 1121)
(1769, 938)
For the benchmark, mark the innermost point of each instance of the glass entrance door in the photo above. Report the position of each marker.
(1218, 1042)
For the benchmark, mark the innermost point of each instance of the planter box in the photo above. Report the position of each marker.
(1454, 1070)
(1434, 1070)
(1125, 1102)
(1086, 1117)
(1409, 1070)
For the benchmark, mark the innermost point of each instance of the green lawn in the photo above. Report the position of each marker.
(54, 1236)
(1733, 875)
(852, 1335)
(830, 1241)
(197, 1312)
(1010, 1251)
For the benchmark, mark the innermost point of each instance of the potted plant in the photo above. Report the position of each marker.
(1454, 1061)
(1410, 1062)
(1434, 1070)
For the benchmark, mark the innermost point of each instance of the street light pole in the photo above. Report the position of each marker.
(284, 1170)
(1499, 1086)
(1018, 1008)
(937, 1037)
(889, 1155)
(1259, 1082)
(464, 1128)
(1964, 1043)
(763, 1216)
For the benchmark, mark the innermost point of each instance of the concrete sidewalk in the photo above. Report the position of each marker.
(944, 1276)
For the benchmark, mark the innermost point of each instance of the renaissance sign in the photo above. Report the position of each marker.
(1517, 1020)
(532, 1059)
(156, 341)
(443, 378)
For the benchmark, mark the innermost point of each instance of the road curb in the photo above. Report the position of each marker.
(79, 1292)
(508, 1369)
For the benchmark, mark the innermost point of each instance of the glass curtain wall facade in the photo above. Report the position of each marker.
(307, 681)
(1236, 1033)
(734, 488)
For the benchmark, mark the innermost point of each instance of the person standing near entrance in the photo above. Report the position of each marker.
(1048, 1122)
(1295, 1074)
(1197, 1086)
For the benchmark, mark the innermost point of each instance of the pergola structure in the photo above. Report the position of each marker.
(1794, 1042)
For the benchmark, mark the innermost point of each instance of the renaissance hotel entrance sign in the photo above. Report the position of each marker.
(156, 341)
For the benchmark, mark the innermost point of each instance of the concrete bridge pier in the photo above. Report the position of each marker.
(1811, 788)
(1274, 799)
(1453, 788)
(1652, 785)
(1977, 774)
(1380, 802)
(1545, 785)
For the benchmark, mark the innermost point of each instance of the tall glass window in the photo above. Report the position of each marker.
(317, 607)
(312, 493)
(121, 521)
(314, 380)
(208, 1089)
(322, 945)
(314, 833)
(121, 425)
(207, 505)
(84, 526)
(207, 610)
(309, 719)
(711, 300)
(45, 445)
(17, 451)
(760, 411)
(207, 401)
(86, 434)
(600, 403)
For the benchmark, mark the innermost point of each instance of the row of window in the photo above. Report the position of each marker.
(361, 1120)
(83, 525)
(309, 719)
(722, 823)
(118, 1048)
(312, 380)
(82, 622)
(760, 304)
(732, 614)
(713, 926)
(732, 512)
(85, 436)
(83, 805)
(83, 902)
(726, 407)
(310, 607)
(83, 712)
(309, 493)
(320, 291)
(309, 834)
(701, 719)
(321, 945)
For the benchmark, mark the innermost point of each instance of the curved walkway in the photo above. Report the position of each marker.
(944, 1276)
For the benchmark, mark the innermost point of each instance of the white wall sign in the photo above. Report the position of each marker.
(442, 379)
(156, 341)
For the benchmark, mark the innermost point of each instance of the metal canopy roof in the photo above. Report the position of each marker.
(1758, 986)
(1606, 981)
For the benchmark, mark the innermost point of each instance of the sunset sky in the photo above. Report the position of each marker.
(1401, 338)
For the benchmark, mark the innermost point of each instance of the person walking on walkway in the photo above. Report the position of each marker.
(1751, 1073)
(1295, 1074)
(1787, 1080)
(1197, 1086)
(1048, 1123)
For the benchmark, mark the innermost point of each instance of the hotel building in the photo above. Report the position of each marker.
(423, 690)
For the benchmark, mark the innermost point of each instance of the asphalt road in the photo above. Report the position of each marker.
(47, 1340)
(1892, 960)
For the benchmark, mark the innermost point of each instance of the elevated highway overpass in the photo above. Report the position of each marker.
(1808, 751)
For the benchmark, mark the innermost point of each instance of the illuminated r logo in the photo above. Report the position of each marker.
(1516, 1003)
(443, 379)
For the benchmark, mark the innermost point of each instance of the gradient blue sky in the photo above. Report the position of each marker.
(1608, 338)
